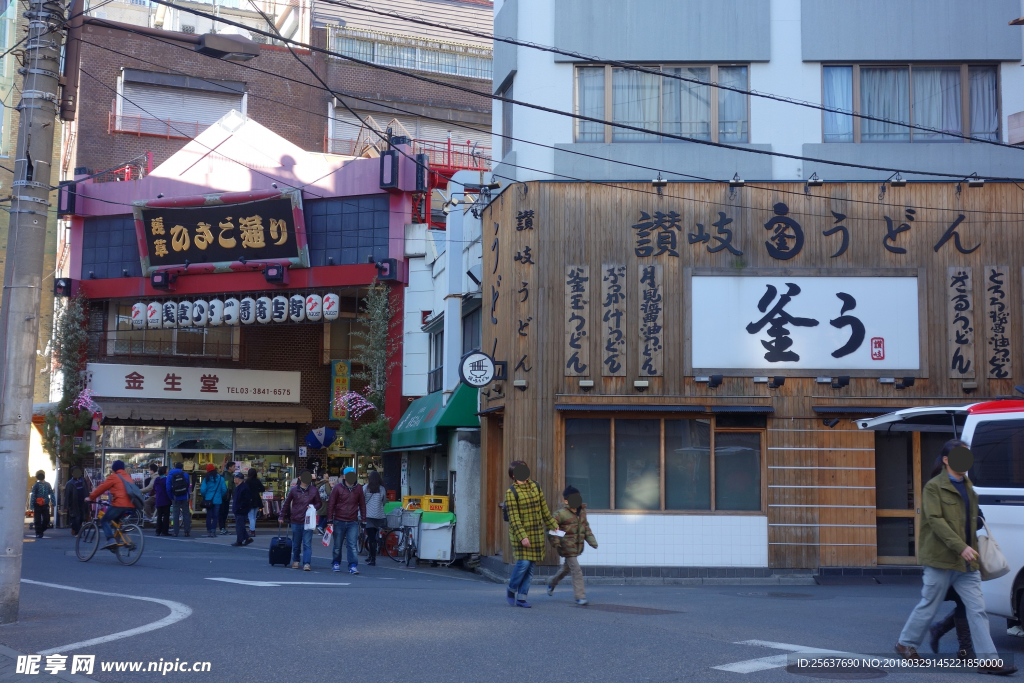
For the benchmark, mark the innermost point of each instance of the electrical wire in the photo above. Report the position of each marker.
(656, 72)
(501, 98)
(569, 178)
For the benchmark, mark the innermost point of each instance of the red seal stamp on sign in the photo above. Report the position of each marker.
(877, 348)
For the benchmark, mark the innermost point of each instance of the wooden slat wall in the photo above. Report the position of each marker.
(590, 224)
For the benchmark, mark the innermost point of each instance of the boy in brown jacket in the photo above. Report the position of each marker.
(572, 519)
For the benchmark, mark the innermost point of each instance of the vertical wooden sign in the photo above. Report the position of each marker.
(613, 324)
(997, 323)
(652, 319)
(577, 321)
(959, 293)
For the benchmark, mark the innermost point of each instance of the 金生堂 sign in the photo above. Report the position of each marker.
(827, 323)
(210, 234)
(206, 384)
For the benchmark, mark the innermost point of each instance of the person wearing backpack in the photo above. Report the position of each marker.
(117, 482)
(213, 491)
(163, 502)
(177, 490)
(76, 503)
(42, 498)
(527, 512)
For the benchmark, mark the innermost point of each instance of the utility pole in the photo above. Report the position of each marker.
(19, 309)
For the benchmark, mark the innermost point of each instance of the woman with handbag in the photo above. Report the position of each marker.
(948, 551)
(375, 496)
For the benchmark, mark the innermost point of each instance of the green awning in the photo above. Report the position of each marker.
(419, 424)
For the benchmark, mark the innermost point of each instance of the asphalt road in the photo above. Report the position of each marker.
(391, 623)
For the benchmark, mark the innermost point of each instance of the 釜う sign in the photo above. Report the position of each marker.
(210, 234)
(341, 378)
(826, 323)
(205, 384)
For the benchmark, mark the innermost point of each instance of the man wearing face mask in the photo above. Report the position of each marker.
(298, 500)
(949, 553)
(346, 506)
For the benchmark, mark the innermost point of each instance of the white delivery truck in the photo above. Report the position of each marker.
(995, 432)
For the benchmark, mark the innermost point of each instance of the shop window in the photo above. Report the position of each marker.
(199, 439)
(671, 464)
(471, 330)
(688, 464)
(347, 230)
(895, 537)
(134, 437)
(588, 458)
(265, 439)
(135, 464)
(931, 96)
(344, 339)
(894, 472)
(110, 248)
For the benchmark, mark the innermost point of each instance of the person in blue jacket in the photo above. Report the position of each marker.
(213, 491)
(178, 487)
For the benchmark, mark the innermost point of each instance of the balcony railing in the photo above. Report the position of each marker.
(152, 345)
(459, 156)
(435, 380)
(133, 124)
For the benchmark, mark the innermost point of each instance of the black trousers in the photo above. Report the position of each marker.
(163, 520)
(241, 528)
(41, 518)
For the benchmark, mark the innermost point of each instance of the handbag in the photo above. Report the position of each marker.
(310, 518)
(991, 561)
(328, 535)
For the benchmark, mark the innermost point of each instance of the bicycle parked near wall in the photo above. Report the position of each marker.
(400, 542)
(127, 535)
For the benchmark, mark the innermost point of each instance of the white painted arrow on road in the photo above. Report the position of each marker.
(774, 661)
(274, 584)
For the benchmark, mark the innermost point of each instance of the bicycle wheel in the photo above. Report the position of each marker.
(87, 541)
(130, 544)
(133, 518)
(361, 542)
(392, 545)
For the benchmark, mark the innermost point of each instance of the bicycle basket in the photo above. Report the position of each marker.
(394, 519)
(411, 517)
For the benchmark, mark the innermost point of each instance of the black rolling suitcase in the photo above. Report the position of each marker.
(280, 549)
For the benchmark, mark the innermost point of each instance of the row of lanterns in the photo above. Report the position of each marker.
(247, 311)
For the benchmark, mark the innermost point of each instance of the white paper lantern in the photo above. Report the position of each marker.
(170, 314)
(184, 314)
(231, 311)
(279, 309)
(297, 308)
(247, 311)
(200, 312)
(332, 307)
(138, 316)
(216, 313)
(154, 315)
(263, 310)
(314, 307)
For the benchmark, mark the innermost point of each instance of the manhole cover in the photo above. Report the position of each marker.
(775, 594)
(630, 609)
(857, 674)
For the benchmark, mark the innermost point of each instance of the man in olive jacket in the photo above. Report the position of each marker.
(948, 551)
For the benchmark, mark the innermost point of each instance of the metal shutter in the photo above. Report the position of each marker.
(173, 111)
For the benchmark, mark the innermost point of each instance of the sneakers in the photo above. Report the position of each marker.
(306, 568)
(336, 567)
(523, 603)
(511, 597)
(353, 570)
(582, 601)
(551, 590)
(247, 541)
(295, 565)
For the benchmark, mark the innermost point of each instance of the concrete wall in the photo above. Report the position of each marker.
(911, 30)
(676, 158)
(464, 460)
(655, 30)
(953, 157)
(419, 296)
(506, 25)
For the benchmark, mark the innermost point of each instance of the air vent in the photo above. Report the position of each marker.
(185, 28)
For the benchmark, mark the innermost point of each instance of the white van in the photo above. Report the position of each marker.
(995, 432)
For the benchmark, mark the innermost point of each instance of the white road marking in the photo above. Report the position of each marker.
(274, 584)
(774, 661)
(178, 612)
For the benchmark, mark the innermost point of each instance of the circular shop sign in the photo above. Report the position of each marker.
(476, 369)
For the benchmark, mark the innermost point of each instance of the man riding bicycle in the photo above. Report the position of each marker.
(120, 504)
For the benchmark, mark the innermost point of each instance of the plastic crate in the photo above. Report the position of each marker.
(434, 503)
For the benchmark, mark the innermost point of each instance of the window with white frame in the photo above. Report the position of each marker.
(952, 99)
(680, 101)
(209, 342)
(454, 59)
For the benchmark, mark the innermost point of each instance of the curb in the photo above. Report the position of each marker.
(774, 580)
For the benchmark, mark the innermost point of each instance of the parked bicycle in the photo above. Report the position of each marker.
(400, 542)
(128, 537)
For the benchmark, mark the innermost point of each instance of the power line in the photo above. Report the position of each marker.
(581, 117)
(662, 74)
(570, 178)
